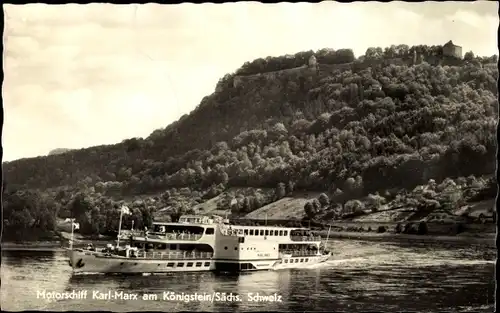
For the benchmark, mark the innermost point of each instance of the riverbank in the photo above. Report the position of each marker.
(488, 239)
(50, 245)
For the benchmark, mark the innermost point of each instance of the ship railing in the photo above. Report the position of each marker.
(305, 238)
(170, 236)
(174, 255)
(295, 253)
(232, 232)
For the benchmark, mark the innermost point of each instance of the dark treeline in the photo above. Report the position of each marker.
(356, 132)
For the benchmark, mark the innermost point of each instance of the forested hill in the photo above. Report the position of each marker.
(393, 118)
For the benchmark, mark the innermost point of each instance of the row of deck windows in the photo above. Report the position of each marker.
(297, 260)
(181, 264)
(266, 232)
(188, 264)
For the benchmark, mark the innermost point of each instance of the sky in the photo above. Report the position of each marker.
(85, 75)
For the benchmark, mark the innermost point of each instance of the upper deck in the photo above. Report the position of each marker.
(280, 234)
(195, 227)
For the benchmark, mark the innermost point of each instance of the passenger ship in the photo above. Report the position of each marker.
(202, 243)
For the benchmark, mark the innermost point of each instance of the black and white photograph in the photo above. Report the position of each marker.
(250, 157)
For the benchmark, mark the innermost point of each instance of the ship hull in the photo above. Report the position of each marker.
(91, 262)
(301, 262)
(269, 264)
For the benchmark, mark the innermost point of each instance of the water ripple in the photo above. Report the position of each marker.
(362, 276)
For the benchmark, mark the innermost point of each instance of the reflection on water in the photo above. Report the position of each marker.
(362, 276)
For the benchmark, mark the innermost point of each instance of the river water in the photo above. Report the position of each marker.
(362, 276)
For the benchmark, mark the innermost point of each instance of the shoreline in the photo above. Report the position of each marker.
(472, 238)
(485, 239)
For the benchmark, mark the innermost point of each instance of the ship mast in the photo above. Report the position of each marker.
(123, 210)
(328, 235)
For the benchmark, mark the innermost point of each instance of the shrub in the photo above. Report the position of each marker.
(381, 229)
(422, 228)
(398, 229)
(460, 228)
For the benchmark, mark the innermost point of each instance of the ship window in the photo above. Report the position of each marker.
(190, 264)
(262, 232)
(296, 260)
(286, 232)
(281, 233)
(207, 264)
(267, 232)
(235, 248)
(170, 264)
(307, 259)
(251, 232)
(198, 264)
(180, 264)
(225, 248)
(241, 239)
(245, 231)
(209, 231)
(286, 261)
(301, 260)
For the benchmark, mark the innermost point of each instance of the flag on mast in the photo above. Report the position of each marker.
(125, 210)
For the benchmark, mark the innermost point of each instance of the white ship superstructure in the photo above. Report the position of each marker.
(202, 243)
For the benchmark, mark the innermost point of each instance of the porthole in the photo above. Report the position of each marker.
(225, 248)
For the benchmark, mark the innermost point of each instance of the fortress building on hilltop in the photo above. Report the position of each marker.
(312, 62)
(449, 49)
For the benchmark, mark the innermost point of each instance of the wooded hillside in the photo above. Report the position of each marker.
(371, 128)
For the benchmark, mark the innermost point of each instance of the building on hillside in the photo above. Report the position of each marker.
(313, 62)
(452, 50)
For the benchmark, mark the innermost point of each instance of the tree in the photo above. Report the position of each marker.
(375, 201)
(310, 210)
(280, 191)
(398, 228)
(165, 196)
(324, 200)
(422, 228)
(353, 206)
(247, 205)
(147, 217)
(469, 56)
(80, 205)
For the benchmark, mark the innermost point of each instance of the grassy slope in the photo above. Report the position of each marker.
(286, 208)
(293, 208)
